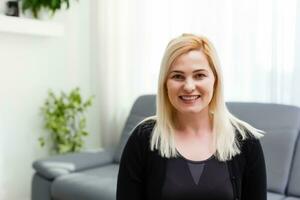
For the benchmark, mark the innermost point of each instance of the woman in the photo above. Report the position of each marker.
(194, 148)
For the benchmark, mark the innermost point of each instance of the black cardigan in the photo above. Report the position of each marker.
(142, 171)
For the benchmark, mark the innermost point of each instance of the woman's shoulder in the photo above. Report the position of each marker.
(144, 129)
(249, 144)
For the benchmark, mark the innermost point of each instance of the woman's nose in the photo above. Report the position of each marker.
(189, 86)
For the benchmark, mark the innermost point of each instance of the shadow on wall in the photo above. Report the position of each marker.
(2, 192)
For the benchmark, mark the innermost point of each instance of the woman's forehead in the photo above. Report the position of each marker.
(191, 61)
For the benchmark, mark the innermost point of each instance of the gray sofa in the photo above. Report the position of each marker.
(93, 175)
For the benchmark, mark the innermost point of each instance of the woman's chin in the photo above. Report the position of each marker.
(191, 110)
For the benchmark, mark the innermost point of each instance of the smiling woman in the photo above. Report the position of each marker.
(194, 148)
(190, 83)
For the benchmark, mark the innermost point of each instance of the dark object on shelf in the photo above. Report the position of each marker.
(12, 8)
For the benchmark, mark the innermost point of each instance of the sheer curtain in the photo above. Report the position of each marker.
(257, 42)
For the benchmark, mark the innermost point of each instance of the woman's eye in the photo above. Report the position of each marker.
(177, 77)
(200, 76)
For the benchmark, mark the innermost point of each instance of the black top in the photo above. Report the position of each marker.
(142, 172)
(197, 180)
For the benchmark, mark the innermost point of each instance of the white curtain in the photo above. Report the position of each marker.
(257, 42)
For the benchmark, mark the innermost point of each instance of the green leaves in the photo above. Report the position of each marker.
(42, 141)
(35, 6)
(64, 119)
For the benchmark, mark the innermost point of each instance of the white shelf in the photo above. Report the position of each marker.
(27, 26)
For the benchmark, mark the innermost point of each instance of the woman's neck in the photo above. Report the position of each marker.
(194, 124)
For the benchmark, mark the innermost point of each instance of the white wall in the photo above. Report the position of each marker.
(29, 66)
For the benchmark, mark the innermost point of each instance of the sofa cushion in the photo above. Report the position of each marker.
(278, 146)
(281, 124)
(294, 184)
(93, 184)
(292, 198)
(274, 196)
(143, 107)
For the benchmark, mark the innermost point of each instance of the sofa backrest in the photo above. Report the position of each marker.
(281, 124)
(143, 107)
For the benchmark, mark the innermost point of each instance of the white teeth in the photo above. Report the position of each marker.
(189, 97)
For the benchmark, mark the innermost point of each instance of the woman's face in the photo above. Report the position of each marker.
(190, 82)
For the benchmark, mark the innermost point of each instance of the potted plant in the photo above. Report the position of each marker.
(64, 119)
(35, 6)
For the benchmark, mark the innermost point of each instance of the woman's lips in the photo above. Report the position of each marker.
(189, 98)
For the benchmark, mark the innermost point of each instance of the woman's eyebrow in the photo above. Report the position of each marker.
(176, 71)
(195, 71)
(199, 70)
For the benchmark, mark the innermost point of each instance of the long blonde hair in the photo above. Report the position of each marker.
(225, 125)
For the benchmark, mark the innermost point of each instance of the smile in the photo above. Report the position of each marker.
(189, 97)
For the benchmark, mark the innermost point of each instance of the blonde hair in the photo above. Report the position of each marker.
(224, 123)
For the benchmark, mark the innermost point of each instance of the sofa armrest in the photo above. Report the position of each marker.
(55, 166)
